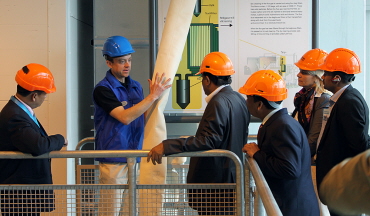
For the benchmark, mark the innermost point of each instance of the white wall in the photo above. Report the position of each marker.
(343, 25)
(35, 32)
(80, 75)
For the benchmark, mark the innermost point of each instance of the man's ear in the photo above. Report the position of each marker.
(336, 78)
(109, 63)
(260, 105)
(33, 96)
(207, 80)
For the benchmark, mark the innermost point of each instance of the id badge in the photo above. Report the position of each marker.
(326, 114)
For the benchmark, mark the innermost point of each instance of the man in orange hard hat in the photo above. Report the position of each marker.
(345, 127)
(282, 153)
(21, 131)
(224, 125)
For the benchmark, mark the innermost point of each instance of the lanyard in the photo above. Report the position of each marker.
(24, 108)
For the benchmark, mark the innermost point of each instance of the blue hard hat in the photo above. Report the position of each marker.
(117, 46)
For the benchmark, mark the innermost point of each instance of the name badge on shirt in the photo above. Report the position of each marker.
(326, 114)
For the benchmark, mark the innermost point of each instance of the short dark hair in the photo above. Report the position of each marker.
(111, 59)
(218, 80)
(265, 102)
(107, 57)
(346, 78)
(24, 92)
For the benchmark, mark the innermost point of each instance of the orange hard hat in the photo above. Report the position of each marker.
(342, 59)
(34, 77)
(267, 84)
(312, 59)
(217, 63)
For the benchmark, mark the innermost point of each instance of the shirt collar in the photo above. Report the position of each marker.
(28, 107)
(318, 94)
(210, 96)
(337, 94)
(270, 114)
(114, 81)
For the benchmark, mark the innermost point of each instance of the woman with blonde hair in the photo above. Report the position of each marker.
(311, 100)
(310, 103)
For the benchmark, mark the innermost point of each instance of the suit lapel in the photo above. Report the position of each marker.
(332, 114)
(262, 130)
(261, 134)
(42, 130)
(34, 125)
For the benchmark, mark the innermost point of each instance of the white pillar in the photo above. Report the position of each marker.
(173, 40)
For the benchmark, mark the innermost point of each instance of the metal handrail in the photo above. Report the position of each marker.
(80, 145)
(268, 200)
(84, 142)
(131, 156)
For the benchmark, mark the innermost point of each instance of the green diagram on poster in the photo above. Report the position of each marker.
(203, 38)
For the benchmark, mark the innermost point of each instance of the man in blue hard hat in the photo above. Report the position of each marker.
(119, 118)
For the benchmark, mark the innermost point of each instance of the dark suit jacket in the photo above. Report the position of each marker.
(284, 159)
(224, 125)
(345, 134)
(19, 132)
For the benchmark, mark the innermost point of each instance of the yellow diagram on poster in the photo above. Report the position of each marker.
(203, 38)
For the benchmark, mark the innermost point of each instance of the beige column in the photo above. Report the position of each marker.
(173, 40)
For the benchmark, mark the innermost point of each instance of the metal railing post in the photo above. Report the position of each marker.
(264, 191)
(259, 209)
(239, 186)
(252, 188)
(247, 190)
(132, 186)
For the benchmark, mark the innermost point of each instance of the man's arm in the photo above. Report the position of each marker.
(157, 87)
(346, 188)
(353, 117)
(29, 140)
(284, 160)
(208, 136)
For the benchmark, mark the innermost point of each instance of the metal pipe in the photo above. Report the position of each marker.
(131, 161)
(258, 205)
(153, 35)
(315, 23)
(263, 189)
(79, 147)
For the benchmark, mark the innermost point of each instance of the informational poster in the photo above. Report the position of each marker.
(255, 34)
(274, 36)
